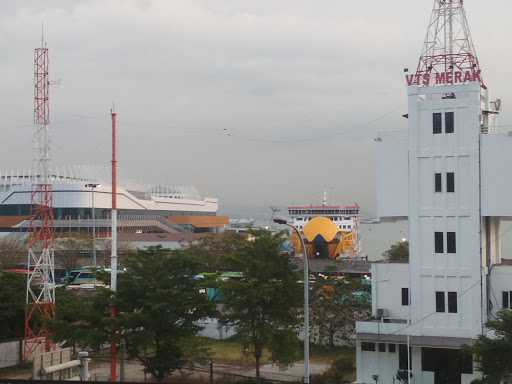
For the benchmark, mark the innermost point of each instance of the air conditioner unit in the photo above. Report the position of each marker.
(382, 313)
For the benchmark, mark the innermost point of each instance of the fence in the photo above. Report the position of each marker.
(10, 353)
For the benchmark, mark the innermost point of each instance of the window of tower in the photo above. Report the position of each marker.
(507, 302)
(438, 182)
(438, 242)
(451, 241)
(405, 296)
(437, 125)
(440, 302)
(452, 302)
(450, 182)
(449, 122)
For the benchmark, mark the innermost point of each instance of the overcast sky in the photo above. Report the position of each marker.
(256, 102)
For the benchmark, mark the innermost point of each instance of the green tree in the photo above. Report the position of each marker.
(336, 305)
(398, 252)
(159, 306)
(216, 252)
(82, 321)
(13, 251)
(264, 305)
(493, 354)
(12, 305)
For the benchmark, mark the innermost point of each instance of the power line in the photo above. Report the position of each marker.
(228, 133)
(315, 138)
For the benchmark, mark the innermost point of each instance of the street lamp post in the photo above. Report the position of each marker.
(93, 187)
(306, 298)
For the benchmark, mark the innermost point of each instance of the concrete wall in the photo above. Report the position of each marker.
(392, 175)
(213, 329)
(383, 364)
(500, 280)
(496, 160)
(10, 353)
(388, 279)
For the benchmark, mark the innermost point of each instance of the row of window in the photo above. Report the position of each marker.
(300, 226)
(431, 358)
(371, 347)
(437, 123)
(391, 348)
(441, 300)
(333, 218)
(100, 213)
(322, 212)
(451, 241)
(450, 182)
(442, 305)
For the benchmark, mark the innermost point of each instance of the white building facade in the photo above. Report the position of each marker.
(456, 277)
(77, 193)
(446, 175)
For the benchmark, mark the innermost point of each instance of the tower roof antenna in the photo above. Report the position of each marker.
(43, 35)
(448, 46)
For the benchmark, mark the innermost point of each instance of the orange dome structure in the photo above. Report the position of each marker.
(320, 226)
(324, 239)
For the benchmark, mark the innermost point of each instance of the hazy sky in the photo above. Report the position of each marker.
(256, 102)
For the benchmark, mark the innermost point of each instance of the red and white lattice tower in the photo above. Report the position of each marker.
(448, 47)
(40, 280)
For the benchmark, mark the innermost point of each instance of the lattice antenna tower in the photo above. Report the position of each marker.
(40, 294)
(448, 44)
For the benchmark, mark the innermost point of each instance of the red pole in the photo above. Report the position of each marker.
(113, 256)
(114, 160)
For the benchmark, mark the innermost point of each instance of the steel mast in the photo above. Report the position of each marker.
(40, 292)
(448, 45)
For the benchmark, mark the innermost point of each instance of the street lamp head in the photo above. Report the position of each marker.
(280, 221)
(92, 185)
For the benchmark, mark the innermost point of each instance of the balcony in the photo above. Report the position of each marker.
(395, 331)
(382, 327)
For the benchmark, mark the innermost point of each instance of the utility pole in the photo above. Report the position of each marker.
(93, 187)
(113, 255)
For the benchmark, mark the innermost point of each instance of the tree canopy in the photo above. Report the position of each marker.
(12, 305)
(336, 305)
(159, 306)
(215, 252)
(82, 322)
(493, 354)
(264, 304)
(398, 252)
(13, 251)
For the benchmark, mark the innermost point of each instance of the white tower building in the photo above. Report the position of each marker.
(442, 175)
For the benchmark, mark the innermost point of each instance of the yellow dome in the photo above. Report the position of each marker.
(320, 226)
